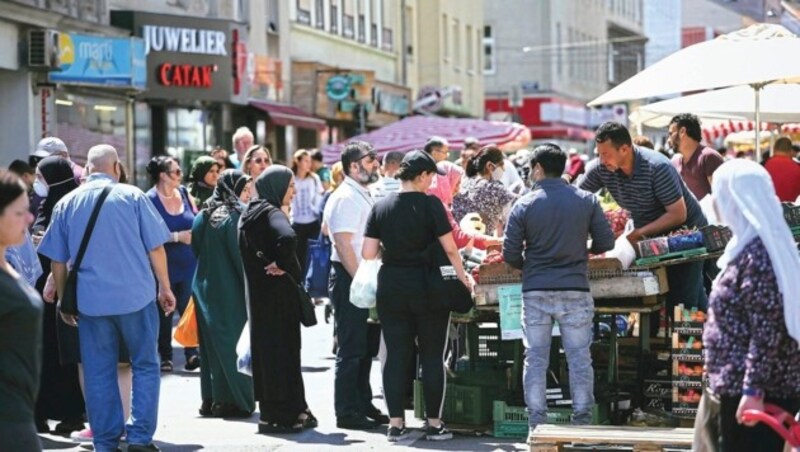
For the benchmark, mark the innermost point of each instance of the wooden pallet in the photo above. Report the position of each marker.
(553, 438)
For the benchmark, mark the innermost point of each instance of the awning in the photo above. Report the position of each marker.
(289, 115)
(412, 133)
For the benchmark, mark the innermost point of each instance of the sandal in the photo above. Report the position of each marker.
(274, 427)
(309, 421)
(166, 365)
(206, 408)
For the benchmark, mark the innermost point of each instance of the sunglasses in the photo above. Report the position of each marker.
(176, 171)
(260, 160)
(373, 155)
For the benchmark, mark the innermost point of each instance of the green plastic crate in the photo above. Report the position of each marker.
(512, 421)
(463, 404)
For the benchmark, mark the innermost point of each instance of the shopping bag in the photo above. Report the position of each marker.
(365, 284)
(319, 267)
(244, 362)
(186, 334)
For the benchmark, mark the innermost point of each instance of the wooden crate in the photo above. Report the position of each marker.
(630, 285)
(547, 438)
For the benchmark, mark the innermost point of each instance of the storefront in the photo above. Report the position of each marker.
(95, 84)
(197, 79)
(351, 102)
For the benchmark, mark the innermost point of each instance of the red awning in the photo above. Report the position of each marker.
(289, 115)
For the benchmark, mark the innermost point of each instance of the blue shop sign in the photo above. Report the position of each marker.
(97, 60)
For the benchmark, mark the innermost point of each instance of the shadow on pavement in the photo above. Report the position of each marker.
(50, 443)
(315, 437)
(471, 443)
(314, 369)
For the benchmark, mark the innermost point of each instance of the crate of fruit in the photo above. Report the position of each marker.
(685, 401)
(687, 374)
(685, 240)
(716, 237)
(791, 213)
(657, 246)
(687, 348)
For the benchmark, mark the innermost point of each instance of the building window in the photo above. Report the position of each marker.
(559, 50)
(319, 10)
(373, 36)
(348, 19)
(469, 50)
(456, 45)
(388, 39)
(304, 12)
(334, 19)
(272, 16)
(408, 32)
(488, 50)
(362, 21)
(445, 38)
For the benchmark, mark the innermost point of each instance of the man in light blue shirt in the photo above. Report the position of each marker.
(116, 290)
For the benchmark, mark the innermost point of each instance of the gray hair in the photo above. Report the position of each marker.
(240, 133)
(101, 158)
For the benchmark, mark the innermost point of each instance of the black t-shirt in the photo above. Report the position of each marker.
(21, 311)
(406, 224)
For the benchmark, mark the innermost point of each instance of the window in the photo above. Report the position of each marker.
(348, 19)
(456, 45)
(469, 50)
(408, 32)
(479, 49)
(373, 35)
(334, 17)
(319, 10)
(304, 12)
(388, 39)
(488, 50)
(445, 39)
(272, 16)
(376, 22)
(558, 50)
(362, 21)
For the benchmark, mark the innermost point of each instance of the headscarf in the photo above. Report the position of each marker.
(746, 200)
(198, 188)
(454, 172)
(58, 174)
(273, 183)
(226, 194)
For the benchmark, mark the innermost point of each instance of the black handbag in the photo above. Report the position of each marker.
(68, 304)
(307, 315)
(443, 288)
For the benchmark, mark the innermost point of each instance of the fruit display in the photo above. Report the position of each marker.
(687, 360)
(617, 219)
(684, 240)
(716, 237)
(653, 247)
(687, 396)
(494, 270)
(682, 369)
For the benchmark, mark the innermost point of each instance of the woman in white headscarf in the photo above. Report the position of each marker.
(751, 337)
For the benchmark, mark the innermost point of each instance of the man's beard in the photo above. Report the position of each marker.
(365, 177)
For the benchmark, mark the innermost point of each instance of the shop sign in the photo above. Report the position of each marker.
(186, 75)
(389, 102)
(338, 87)
(98, 60)
(266, 78)
(340, 94)
(567, 114)
(184, 40)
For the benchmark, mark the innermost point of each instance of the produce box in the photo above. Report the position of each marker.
(512, 422)
(629, 284)
(687, 374)
(685, 240)
(791, 213)
(689, 348)
(716, 237)
(685, 401)
(498, 273)
(660, 389)
(653, 247)
(463, 404)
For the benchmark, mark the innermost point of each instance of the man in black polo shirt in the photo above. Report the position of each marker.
(646, 184)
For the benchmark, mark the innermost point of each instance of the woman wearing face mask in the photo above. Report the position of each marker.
(173, 202)
(20, 326)
(59, 389)
(255, 161)
(205, 172)
(483, 192)
(407, 224)
(219, 297)
(753, 329)
(267, 243)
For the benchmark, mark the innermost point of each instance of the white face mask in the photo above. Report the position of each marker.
(498, 172)
(40, 188)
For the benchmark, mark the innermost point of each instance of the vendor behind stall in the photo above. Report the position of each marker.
(646, 184)
(552, 224)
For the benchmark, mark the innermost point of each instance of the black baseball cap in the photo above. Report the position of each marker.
(417, 162)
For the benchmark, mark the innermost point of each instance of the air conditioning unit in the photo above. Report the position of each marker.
(43, 49)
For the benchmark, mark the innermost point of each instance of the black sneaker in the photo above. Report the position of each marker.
(355, 423)
(376, 416)
(439, 433)
(397, 434)
(192, 363)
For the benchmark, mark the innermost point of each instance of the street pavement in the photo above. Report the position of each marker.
(180, 428)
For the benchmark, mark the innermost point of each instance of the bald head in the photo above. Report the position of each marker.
(102, 158)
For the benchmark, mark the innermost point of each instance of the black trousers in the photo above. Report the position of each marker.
(305, 232)
(740, 438)
(402, 326)
(358, 343)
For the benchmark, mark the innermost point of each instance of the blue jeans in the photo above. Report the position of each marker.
(574, 312)
(100, 342)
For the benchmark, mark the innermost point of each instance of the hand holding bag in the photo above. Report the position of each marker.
(445, 291)
(307, 315)
(319, 266)
(186, 333)
(68, 304)
(364, 287)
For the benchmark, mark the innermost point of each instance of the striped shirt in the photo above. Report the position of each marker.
(653, 185)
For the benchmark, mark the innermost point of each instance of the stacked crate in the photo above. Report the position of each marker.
(687, 361)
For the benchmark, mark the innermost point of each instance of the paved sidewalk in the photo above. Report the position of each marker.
(180, 428)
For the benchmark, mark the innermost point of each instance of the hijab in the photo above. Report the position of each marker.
(57, 173)
(745, 198)
(198, 188)
(273, 184)
(226, 194)
(453, 176)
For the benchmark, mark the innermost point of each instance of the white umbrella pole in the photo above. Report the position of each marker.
(757, 88)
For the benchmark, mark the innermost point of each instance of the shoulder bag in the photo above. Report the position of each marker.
(445, 291)
(68, 304)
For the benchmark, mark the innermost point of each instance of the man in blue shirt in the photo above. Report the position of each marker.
(646, 184)
(552, 224)
(116, 293)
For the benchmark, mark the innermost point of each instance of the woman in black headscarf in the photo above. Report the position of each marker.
(204, 177)
(219, 298)
(59, 389)
(267, 243)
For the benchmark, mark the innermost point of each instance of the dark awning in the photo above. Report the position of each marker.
(289, 115)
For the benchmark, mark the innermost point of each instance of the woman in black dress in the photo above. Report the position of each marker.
(20, 326)
(267, 243)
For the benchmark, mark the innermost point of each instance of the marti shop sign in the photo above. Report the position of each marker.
(187, 58)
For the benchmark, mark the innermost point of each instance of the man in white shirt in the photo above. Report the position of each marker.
(387, 183)
(345, 216)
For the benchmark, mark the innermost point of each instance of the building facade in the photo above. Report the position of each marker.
(570, 53)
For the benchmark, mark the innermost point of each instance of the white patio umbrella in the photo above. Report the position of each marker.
(778, 103)
(759, 55)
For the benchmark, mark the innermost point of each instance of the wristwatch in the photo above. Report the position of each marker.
(753, 392)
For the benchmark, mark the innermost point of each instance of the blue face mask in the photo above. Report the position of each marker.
(242, 205)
